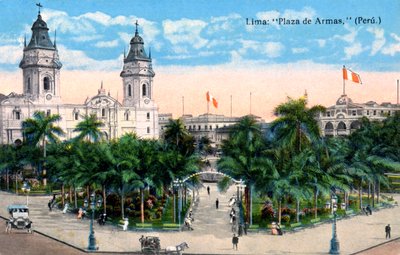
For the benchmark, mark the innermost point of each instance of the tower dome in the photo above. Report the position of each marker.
(136, 50)
(40, 35)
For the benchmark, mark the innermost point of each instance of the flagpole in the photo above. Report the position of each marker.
(250, 103)
(397, 93)
(183, 106)
(231, 101)
(344, 83)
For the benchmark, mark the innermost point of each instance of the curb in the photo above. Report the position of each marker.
(375, 246)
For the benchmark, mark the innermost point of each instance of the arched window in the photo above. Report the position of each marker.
(129, 90)
(329, 126)
(46, 83)
(355, 125)
(341, 126)
(126, 115)
(148, 130)
(103, 112)
(28, 85)
(144, 90)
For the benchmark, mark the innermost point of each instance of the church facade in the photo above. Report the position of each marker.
(41, 68)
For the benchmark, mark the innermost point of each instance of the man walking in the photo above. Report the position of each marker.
(208, 190)
(235, 241)
(216, 203)
(387, 230)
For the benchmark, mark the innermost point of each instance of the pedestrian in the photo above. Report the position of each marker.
(208, 190)
(49, 205)
(216, 203)
(240, 231)
(369, 209)
(246, 227)
(387, 230)
(235, 241)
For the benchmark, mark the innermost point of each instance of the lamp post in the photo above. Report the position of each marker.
(26, 189)
(335, 247)
(177, 184)
(92, 239)
(240, 221)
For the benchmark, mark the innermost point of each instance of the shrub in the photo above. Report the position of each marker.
(285, 218)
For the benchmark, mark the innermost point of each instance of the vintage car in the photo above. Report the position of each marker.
(19, 218)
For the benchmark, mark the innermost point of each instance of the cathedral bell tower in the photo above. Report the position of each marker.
(137, 74)
(41, 66)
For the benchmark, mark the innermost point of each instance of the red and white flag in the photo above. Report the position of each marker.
(351, 76)
(210, 98)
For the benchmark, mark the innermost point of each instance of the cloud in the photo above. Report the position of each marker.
(393, 48)
(107, 44)
(379, 39)
(223, 23)
(185, 31)
(353, 50)
(86, 38)
(62, 22)
(270, 49)
(321, 43)
(349, 37)
(299, 50)
(10, 54)
(78, 60)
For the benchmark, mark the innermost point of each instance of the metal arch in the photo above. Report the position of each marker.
(219, 173)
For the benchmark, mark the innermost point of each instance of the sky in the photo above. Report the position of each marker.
(217, 46)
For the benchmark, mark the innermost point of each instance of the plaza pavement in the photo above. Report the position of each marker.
(212, 231)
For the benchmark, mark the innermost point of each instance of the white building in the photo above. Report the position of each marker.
(345, 116)
(41, 67)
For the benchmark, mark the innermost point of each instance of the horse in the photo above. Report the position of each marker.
(178, 249)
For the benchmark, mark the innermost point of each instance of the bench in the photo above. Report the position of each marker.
(316, 221)
(296, 226)
(144, 225)
(170, 226)
(124, 224)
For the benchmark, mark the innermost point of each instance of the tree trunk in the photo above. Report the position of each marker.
(70, 194)
(104, 200)
(316, 204)
(373, 194)
(378, 192)
(76, 200)
(297, 210)
(369, 192)
(360, 196)
(122, 206)
(8, 181)
(251, 205)
(246, 197)
(142, 205)
(88, 193)
(62, 195)
(279, 210)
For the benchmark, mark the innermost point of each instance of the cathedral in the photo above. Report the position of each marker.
(41, 68)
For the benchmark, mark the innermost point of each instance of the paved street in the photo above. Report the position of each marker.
(212, 231)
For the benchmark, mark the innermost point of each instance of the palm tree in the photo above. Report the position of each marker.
(242, 157)
(89, 128)
(296, 129)
(178, 137)
(41, 128)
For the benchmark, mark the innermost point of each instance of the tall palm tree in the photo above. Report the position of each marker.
(42, 128)
(296, 129)
(242, 157)
(89, 128)
(178, 137)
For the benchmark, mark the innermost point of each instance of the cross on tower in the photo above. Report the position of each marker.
(137, 24)
(39, 6)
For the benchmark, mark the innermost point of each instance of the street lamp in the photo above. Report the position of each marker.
(240, 221)
(335, 247)
(92, 239)
(177, 184)
(26, 189)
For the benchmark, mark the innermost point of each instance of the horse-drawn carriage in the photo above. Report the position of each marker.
(19, 218)
(151, 245)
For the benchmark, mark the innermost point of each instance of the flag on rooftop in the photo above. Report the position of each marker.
(210, 98)
(351, 76)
